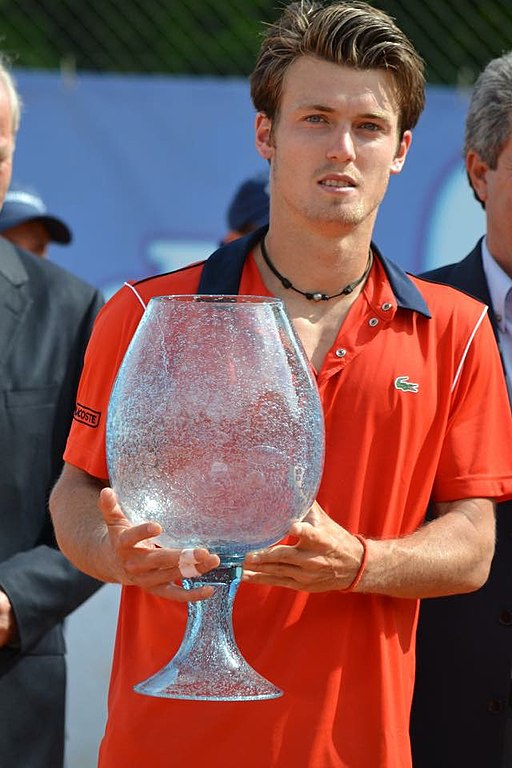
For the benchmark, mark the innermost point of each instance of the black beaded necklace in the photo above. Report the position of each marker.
(315, 296)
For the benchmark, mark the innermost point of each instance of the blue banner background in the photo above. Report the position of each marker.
(143, 167)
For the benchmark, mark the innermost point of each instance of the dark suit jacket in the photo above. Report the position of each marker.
(46, 315)
(464, 645)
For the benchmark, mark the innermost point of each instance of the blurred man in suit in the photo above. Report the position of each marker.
(462, 713)
(46, 315)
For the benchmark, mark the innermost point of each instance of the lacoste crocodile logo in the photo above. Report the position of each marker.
(403, 383)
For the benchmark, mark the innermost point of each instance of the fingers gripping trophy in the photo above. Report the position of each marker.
(215, 431)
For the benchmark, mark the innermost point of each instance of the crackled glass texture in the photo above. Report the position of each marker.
(215, 428)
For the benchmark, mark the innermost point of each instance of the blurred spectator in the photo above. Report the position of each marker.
(25, 221)
(248, 210)
(46, 316)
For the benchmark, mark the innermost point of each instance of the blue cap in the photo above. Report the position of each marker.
(249, 206)
(22, 204)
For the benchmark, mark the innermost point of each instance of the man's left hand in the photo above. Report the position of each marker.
(325, 557)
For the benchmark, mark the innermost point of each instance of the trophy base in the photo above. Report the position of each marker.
(242, 684)
(209, 665)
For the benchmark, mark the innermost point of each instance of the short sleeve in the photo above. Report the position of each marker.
(475, 458)
(112, 333)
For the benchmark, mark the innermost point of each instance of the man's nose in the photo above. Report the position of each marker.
(342, 147)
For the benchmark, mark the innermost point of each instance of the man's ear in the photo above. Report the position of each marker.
(263, 136)
(401, 154)
(477, 171)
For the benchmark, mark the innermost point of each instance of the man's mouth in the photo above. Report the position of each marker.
(338, 183)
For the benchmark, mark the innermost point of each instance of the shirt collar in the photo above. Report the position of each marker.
(223, 270)
(499, 284)
(406, 293)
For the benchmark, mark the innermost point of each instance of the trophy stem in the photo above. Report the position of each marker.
(208, 665)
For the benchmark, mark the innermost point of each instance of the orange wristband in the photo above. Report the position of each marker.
(362, 566)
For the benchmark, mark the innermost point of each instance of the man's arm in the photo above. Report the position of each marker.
(97, 538)
(450, 555)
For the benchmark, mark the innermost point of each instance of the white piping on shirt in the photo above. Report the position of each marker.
(128, 285)
(466, 350)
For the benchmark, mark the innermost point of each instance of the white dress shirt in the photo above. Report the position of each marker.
(500, 289)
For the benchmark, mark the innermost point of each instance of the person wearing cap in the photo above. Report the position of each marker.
(248, 209)
(25, 221)
(46, 316)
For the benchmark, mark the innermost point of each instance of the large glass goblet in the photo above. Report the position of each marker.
(215, 431)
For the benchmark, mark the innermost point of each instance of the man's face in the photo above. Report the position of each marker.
(31, 235)
(333, 146)
(494, 188)
(6, 143)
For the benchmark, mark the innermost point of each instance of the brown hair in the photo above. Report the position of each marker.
(353, 34)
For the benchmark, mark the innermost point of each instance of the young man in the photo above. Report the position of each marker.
(463, 689)
(401, 366)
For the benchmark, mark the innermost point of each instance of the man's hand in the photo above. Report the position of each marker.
(141, 562)
(446, 556)
(325, 557)
(8, 628)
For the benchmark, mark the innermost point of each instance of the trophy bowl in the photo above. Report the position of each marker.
(215, 431)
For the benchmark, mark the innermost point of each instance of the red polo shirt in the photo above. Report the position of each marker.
(415, 406)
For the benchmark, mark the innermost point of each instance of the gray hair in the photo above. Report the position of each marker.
(13, 96)
(489, 118)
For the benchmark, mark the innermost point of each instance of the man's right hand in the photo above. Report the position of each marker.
(141, 562)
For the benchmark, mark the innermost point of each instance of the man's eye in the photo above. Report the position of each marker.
(315, 119)
(370, 126)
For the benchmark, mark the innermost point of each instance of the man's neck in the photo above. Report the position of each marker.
(497, 246)
(312, 262)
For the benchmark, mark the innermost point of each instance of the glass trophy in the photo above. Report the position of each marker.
(215, 431)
